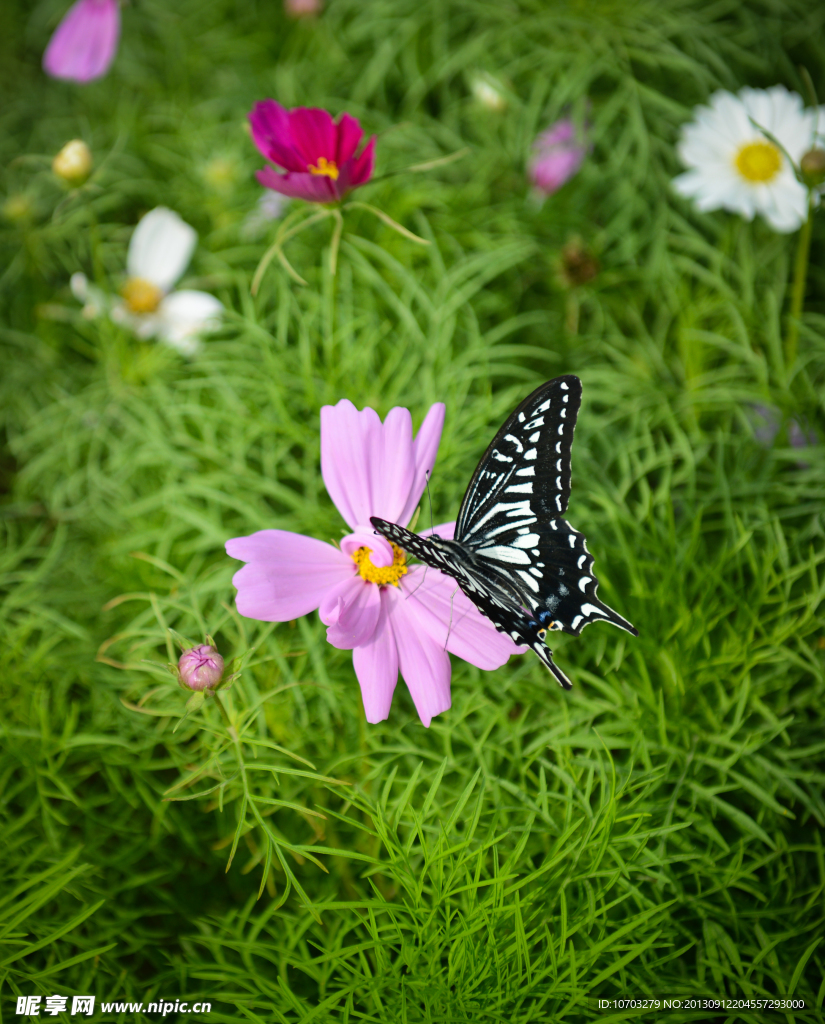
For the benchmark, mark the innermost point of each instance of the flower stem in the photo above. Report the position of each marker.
(233, 735)
(798, 288)
(336, 241)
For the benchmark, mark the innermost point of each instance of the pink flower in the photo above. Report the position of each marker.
(317, 153)
(393, 617)
(200, 668)
(557, 157)
(85, 42)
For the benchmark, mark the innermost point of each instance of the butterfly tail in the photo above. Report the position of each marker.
(546, 656)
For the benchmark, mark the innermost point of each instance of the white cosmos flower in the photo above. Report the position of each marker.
(159, 252)
(733, 166)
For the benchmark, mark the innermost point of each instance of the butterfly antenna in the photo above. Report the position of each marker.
(432, 532)
(430, 499)
(450, 623)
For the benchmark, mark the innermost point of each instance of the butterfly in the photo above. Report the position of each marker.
(512, 554)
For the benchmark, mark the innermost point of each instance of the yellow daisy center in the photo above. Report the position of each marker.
(382, 575)
(326, 167)
(141, 295)
(758, 161)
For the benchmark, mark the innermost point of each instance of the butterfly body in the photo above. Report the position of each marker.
(523, 566)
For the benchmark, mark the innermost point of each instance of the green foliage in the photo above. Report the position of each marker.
(659, 830)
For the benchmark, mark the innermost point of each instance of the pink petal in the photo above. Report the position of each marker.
(381, 554)
(349, 135)
(424, 664)
(441, 609)
(375, 469)
(391, 466)
(348, 438)
(362, 166)
(376, 666)
(269, 122)
(350, 611)
(287, 575)
(85, 42)
(424, 450)
(560, 132)
(314, 188)
(314, 134)
(553, 168)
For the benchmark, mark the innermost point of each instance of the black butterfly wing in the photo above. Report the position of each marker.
(525, 472)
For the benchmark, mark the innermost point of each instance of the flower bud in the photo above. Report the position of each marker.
(812, 166)
(200, 668)
(74, 162)
(488, 92)
(577, 264)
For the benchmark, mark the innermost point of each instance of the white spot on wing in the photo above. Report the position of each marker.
(534, 437)
(591, 609)
(519, 489)
(528, 579)
(529, 471)
(572, 538)
(529, 540)
(513, 556)
(531, 454)
(583, 583)
(563, 386)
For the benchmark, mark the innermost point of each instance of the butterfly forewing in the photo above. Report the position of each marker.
(525, 472)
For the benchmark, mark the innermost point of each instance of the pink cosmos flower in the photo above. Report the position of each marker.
(393, 617)
(557, 155)
(85, 42)
(317, 153)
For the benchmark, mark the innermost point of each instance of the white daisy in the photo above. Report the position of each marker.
(159, 252)
(733, 166)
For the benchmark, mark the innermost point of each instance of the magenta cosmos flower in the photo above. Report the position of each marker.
(394, 617)
(85, 42)
(557, 155)
(317, 153)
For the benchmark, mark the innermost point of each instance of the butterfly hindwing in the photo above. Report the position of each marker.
(487, 588)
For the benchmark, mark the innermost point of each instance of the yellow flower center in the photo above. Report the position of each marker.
(758, 161)
(382, 575)
(326, 167)
(141, 295)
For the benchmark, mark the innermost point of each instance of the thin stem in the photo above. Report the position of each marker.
(336, 241)
(387, 220)
(798, 288)
(275, 249)
(230, 729)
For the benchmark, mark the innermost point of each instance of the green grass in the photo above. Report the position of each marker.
(658, 830)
